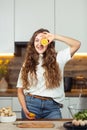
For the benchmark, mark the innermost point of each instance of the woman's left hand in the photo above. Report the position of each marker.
(49, 36)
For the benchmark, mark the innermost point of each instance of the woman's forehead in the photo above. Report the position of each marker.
(40, 35)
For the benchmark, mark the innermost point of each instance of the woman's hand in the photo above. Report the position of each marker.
(21, 98)
(28, 114)
(72, 43)
(50, 37)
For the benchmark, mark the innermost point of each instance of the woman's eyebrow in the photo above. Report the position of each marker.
(44, 32)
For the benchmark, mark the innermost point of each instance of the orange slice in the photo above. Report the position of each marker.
(44, 41)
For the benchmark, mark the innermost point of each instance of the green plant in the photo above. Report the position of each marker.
(3, 68)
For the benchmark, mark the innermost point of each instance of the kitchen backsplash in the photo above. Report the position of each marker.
(76, 67)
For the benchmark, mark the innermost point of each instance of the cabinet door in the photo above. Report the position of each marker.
(6, 26)
(16, 106)
(73, 101)
(5, 102)
(71, 19)
(80, 102)
(31, 15)
(64, 110)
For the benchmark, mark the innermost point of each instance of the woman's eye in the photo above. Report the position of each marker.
(36, 40)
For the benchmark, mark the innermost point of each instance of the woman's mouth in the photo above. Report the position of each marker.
(41, 47)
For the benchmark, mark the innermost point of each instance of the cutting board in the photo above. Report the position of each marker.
(36, 125)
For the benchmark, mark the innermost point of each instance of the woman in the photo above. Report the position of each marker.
(40, 82)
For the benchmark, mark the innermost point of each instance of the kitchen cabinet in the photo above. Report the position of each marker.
(72, 101)
(20, 18)
(80, 102)
(5, 101)
(16, 106)
(31, 15)
(7, 26)
(13, 102)
(61, 17)
(70, 20)
(64, 110)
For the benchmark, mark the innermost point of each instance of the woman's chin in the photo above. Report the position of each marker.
(40, 51)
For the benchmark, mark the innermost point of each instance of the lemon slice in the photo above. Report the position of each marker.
(44, 41)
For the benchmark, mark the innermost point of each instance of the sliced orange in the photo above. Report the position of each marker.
(44, 41)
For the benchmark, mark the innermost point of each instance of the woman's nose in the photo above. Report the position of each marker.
(39, 43)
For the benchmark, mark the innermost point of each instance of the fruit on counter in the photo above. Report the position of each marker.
(44, 41)
(31, 114)
(7, 111)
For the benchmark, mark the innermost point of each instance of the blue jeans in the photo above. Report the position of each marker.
(44, 109)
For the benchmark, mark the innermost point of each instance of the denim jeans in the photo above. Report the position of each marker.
(44, 109)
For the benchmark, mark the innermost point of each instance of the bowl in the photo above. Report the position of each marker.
(8, 118)
(78, 112)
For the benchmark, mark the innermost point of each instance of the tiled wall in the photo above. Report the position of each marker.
(74, 68)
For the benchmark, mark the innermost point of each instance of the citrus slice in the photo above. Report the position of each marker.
(44, 41)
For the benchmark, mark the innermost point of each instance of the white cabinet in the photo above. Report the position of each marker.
(70, 20)
(5, 101)
(13, 103)
(64, 110)
(73, 101)
(6, 26)
(16, 106)
(79, 102)
(31, 15)
(20, 18)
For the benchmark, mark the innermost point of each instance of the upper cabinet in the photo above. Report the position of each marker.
(6, 26)
(19, 19)
(71, 20)
(31, 15)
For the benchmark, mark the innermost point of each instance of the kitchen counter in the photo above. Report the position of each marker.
(57, 125)
(76, 93)
(73, 93)
(9, 93)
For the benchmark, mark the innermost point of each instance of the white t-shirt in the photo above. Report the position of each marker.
(40, 89)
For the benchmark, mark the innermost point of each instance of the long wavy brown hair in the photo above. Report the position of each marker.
(52, 72)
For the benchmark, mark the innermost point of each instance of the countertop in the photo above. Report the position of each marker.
(72, 93)
(9, 93)
(58, 125)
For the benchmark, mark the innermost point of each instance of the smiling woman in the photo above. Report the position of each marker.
(40, 83)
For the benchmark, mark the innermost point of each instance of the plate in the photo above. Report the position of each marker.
(70, 126)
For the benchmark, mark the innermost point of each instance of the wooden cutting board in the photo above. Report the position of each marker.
(36, 125)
